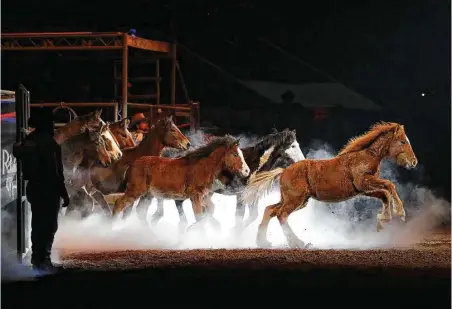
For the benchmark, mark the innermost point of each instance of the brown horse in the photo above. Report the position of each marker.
(111, 180)
(89, 144)
(82, 151)
(354, 171)
(190, 176)
(76, 126)
(122, 134)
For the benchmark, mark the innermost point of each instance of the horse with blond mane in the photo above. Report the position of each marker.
(102, 181)
(354, 171)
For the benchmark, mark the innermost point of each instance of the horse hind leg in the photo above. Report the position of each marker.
(291, 204)
(269, 213)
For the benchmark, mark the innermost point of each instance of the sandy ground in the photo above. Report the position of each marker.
(416, 277)
(433, 252)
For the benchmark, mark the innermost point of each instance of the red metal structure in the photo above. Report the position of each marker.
(119, 41)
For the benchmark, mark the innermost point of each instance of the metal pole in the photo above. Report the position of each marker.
(157, 81)
(116, 112)
(125, 65)
(173, 73)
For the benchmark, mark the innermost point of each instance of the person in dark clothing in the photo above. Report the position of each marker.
(42, 166)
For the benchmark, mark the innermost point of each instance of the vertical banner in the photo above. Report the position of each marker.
(8, 171)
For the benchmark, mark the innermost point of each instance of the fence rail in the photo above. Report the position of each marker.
(190, 110)
(69, 106)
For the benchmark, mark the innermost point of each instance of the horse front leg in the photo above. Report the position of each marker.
(129, 197)
(159, 212)
(252, 216)
(210, 209)
(197, 206)
(385, 215)
(183, 222)
(99, 197)
(381, 189)
(397, 207)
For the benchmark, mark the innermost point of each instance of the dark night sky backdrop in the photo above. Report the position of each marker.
(389, 51)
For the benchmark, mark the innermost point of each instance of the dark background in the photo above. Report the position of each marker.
(388, 51)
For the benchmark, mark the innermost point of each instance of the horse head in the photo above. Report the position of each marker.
(400, 148)
(120, 131)
(234, 162)
(111, 143)
(171, 135)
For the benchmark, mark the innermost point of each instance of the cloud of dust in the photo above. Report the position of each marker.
(11, 268)
(351, 224)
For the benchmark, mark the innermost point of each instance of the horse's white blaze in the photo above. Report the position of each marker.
(294, 152)
(406, 137)
(116, 149)
(245, 168)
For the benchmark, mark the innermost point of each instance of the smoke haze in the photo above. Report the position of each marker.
(346, 225)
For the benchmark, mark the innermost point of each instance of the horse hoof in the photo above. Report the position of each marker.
(308, 246)
(295, 244)
(262, 243)
(379, 226)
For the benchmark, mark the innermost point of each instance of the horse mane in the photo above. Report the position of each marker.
(206, 150)
(273, 139)
(363, 141)
(85, 117)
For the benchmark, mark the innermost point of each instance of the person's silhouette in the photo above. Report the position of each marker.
(40, 156)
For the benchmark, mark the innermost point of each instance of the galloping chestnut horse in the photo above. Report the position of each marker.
(354, 171)
(190, 176)
(111, 180)
(76, 126)
(278, 149)
(122, 134)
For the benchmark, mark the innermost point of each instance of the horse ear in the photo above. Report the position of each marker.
(125, 123)
(237, 142)
(399, 130)
(170, 118)
(98, 113)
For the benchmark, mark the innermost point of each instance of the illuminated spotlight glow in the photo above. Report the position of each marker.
(315, 224)
(423, 94)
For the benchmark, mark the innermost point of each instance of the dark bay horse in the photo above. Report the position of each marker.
(354, 171)
(278, 149)
(189, 176)
(76, 126)
(109, 180)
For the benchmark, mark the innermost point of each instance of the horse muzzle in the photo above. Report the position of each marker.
(185, 146)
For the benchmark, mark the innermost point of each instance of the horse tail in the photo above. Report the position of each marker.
(259, 185)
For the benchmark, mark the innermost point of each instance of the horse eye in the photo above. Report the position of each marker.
(403, 142)
(236, 154)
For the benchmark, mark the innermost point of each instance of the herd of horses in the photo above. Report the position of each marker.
(100, 158)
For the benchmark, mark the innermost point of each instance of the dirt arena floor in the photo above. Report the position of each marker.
(413, 277)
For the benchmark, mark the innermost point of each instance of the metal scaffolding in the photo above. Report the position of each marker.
(94, 41)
